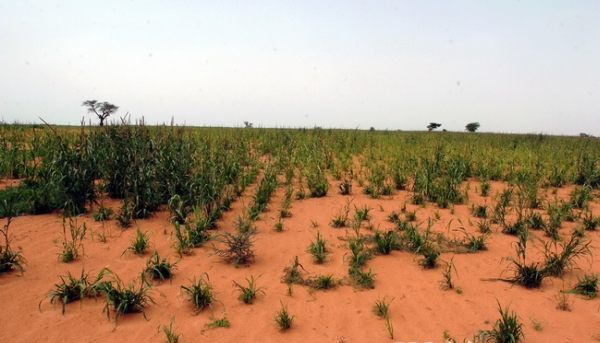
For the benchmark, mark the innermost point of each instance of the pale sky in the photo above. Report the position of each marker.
(514, 66)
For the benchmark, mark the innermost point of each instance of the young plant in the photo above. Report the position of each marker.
(72, 243)
(283, 318)
(318, 249)
(345, 187)
(139, 244)
(386, 242)
(362, 278)
(170, 333)
(200, 293)
(381, 307)
(446, 282)
(361, 214)
(218, 323)
(9, 259)
(128, 298)
(586, 286)
(322, 282)
(159, 269)
(293, 275)
(528, 275)
(249, 293)
(563, 255)
(102, 213)
(71, 288)
(506, 329)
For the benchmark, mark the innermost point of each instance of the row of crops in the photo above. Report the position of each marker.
(67, 169)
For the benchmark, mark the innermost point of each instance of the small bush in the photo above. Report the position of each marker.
(238, 247)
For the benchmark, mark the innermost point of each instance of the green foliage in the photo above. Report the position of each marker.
(386, 242)
(9, 259)
(507, 329)
(200, 293)
(283, 318)
(472, 127)
(159, 269)
(293, 275)
(248, 293)
(322, 282)
(447, 282)
(71, 288)
(126, 298)
(586, 286)
(102, 213)
(72, 241)
(318, 249)
(381, 307)
(139, 244)
(362, 278)
(219, 323)
(170, 333)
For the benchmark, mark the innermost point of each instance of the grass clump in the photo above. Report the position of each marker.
(218, 323)
(361, 278)
(586, 286)
(171, 335)
(126, 298)
(283, 318)
(200, 293)
(293, 275)
(102, 213)
(139, 244)
(318, 249)
(71, 288)
(322, 282)
(72, 240)
(381, 307)
(507, 329)
(249, 293)
(159, 269)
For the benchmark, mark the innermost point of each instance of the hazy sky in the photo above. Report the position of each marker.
(513, 66)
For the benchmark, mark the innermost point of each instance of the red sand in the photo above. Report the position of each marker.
(420, 311)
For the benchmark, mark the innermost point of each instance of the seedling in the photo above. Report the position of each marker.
(159, 269)
(200, 293)
(506, 329)
(139, 243)
(283, 318)
(170, 333)
(249, 293)
(318, 249)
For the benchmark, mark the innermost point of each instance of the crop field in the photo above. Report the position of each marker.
(182, 234)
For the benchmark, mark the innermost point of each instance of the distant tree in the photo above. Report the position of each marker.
(248, 124)
(472, 127)
(433, 126)
(101, 109)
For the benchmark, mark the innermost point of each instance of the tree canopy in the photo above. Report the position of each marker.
(101, 109)
(433, 126)
(472, 127)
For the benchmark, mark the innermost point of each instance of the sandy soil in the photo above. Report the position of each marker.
(420, 310)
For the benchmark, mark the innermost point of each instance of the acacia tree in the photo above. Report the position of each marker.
(433, 126)
(472, 127)
(101, 109)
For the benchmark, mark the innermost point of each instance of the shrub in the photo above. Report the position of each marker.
(238, 247)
